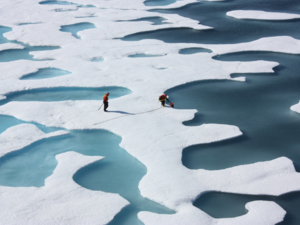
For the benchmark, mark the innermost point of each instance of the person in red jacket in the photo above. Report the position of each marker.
(163, 99)
(105, 101)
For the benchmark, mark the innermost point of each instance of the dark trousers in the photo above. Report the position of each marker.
(163, 103)
(105, 105)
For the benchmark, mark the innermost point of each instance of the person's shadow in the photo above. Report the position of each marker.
(120, 112)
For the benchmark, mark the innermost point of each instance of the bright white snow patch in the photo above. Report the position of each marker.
(283, 44)
(261, 15)
(296, 107)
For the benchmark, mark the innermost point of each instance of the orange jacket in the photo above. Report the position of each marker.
(162, 98)
(105, 98)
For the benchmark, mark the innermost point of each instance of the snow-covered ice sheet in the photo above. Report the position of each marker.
(261, 15)
(144, 126)
(271, 44)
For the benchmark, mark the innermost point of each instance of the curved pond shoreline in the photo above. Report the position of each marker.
(9, 55)
(65, 93)
(45, 73)
(118, 173)
(75, 28)
(10, 121)
(260, 107)
(216, 204)
(226, 30)
(257, 105)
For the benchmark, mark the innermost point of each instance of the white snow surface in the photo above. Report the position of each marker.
(261, 15)
(156, 138)
(270, 44)
(296, 107)
(7, 46)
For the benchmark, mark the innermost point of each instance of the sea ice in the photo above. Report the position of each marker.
(261, 15)
(152, 134)
(45, 73)
(289, 45)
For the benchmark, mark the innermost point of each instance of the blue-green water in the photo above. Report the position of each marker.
(87, 6)
(260, 107)
(188, 51)
(227, 30)
(158, 2)
(10, 121)
(65, 3)
(57, 3)
(75, 28)
(45, 73)
(224, 205)
(143, 55)
(65, 93)
(97, 59)
(18, 54)
(2, 31)
(154, 20)
(118, 173)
